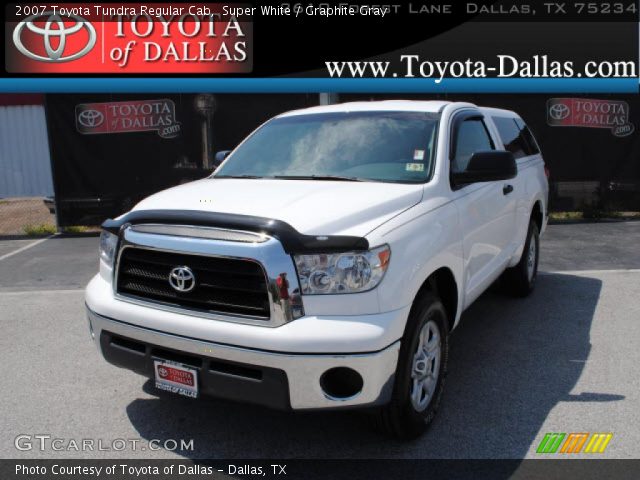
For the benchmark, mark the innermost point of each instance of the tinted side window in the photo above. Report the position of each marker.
(526, 133)
(472, 137)
(511, 136)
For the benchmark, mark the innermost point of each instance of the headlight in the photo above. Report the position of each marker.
(350, 272)
(108, 244)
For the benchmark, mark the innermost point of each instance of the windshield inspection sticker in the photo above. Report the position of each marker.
(418, 155)
(415, 167)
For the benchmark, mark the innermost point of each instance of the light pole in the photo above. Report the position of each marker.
(205, 105)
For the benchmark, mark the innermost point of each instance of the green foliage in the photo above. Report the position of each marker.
(42, 229)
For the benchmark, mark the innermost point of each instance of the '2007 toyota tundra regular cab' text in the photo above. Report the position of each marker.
(326, 261)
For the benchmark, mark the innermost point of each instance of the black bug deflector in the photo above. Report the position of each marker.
(293, 241)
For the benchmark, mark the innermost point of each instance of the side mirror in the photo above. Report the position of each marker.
(219, 158)
(488, 166)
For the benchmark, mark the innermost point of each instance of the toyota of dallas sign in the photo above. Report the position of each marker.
(138, 38)
(131, 116)
(590, 113)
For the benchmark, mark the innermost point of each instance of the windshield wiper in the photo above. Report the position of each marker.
(297, 177)
(319, 177)
(237, 176)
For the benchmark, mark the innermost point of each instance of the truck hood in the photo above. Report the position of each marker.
(311, 207)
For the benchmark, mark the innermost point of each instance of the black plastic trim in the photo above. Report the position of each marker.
(293, 241)
(217, 378)
(463, 116)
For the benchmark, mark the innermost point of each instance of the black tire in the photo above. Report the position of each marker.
(400, 418)
(520, 281)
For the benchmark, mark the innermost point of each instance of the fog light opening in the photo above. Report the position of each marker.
(341, 383)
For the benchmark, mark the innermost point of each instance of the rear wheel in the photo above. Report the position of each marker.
(422, 365)
(521, 279)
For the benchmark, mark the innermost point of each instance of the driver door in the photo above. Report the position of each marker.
(486, 210)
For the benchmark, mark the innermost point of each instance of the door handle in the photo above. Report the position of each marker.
(507, 189)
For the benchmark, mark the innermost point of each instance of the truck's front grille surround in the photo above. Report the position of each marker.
(226, 286)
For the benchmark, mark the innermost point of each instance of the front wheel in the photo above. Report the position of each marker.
(422, 365)
(521, 279)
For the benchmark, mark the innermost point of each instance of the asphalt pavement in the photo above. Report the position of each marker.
(564, 359)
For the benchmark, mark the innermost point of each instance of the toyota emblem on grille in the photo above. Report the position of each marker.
(182, 279)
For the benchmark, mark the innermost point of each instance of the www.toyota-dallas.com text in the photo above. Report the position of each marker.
(505, 66)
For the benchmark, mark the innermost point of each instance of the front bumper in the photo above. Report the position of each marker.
(275, 379)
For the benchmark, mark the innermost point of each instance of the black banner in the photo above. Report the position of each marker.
(110, 151)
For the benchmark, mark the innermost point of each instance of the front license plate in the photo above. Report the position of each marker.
(176, 378)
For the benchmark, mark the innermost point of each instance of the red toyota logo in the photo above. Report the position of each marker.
(54, 27)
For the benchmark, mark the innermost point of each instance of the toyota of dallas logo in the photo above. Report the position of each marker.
(613, 115)
(200, 38)
(54, 27)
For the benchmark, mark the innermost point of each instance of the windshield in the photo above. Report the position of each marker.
(365, 146)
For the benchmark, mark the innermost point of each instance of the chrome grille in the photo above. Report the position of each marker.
(223, 285)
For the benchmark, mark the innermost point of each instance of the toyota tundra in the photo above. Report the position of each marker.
(327, 259)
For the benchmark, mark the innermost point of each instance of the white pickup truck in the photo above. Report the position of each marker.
(326, 261)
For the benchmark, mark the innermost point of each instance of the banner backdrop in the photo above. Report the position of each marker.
(110, 151)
